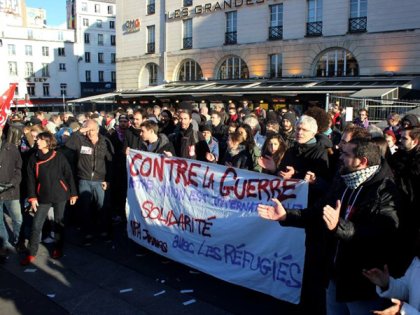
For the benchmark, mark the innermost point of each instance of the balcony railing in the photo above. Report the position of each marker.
(314, 28)
(151, 8)
(275, 32)
(188, 3)
(230, 38)
(150, 48)
(358, 25)
(187, 43)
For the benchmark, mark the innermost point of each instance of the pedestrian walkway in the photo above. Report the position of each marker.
(83, 282)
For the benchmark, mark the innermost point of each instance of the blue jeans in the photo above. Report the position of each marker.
(93, 205)
(39, 219)
(362, 307)
(13, 208)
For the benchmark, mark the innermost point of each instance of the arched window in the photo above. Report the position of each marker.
(233, 68)
(189, 71)
(337, 63)
(153, 72)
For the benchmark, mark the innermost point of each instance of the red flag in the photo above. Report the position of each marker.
(5, 103)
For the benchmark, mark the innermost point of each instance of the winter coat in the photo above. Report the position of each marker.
(10, 170)
(241, 159)
(94, 162)
(50, 178)
(406, 288)
(190, 144)
(161, 145)
(362, 241)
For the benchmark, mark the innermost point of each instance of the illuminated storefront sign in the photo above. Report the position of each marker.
(131, 26)
(211, 7)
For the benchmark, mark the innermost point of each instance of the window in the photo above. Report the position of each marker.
(113, 57)
(61, 51)
(87, 38)
(100, 57)
(231, 34)
(62, 67)
(151, 7)
(113, 76)
(100, 76)
(60, 36)
(28, 50)
(190, 71)
(85, 22)
(46, 89)
(233, 68)
(97, 8)
(276, 65)
(29, 69)
(358, 16)
(84, 7)
(110, 9)
(337, 63)
(12, 49)
(87, 76)
(13, 68)
(153, 69)
(187, 29)
(100, 39)
(99, 23)
(30, 34)
(276, 22)
(87, 57)
(112, 40)
(30, 88)
(314, 25)
(63, 89)
(112, 25)
(45, 70)
(188, 3)
(45, 51)
(151, 39)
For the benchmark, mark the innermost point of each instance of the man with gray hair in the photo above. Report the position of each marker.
(94, 170)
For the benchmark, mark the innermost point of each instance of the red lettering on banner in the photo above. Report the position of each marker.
(184, 221)
(255, 188)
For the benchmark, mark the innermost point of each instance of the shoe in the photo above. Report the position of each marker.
(56, 254)
(27, 260)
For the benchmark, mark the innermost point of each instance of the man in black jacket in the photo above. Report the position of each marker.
(358, 221)
(94, 171)
(10, 177)
(189, 143)
(132, 135)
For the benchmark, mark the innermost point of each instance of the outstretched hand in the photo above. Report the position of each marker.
(378, 277)
(276, 213)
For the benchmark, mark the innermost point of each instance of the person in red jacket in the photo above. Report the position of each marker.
(50, 184)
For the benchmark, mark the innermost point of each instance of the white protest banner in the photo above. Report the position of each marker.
(205, 216)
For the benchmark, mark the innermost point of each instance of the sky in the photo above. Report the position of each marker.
(56, 10)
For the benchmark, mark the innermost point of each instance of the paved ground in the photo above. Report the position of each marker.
(121, 277)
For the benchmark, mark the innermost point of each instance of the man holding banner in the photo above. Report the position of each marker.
(359, 220)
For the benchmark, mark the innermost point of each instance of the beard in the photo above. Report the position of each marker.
(344, 170)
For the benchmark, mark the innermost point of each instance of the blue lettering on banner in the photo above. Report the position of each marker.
(282, 269)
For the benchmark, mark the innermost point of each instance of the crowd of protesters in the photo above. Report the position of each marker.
(362, 223)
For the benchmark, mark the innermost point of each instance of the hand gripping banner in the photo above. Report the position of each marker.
(205, 216)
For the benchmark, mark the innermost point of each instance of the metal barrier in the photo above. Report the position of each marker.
(378, 110)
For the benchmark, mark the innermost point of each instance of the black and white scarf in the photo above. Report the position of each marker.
(355, 179)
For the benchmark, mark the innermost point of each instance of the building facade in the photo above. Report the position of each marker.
(94, 23)
(188, 40)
